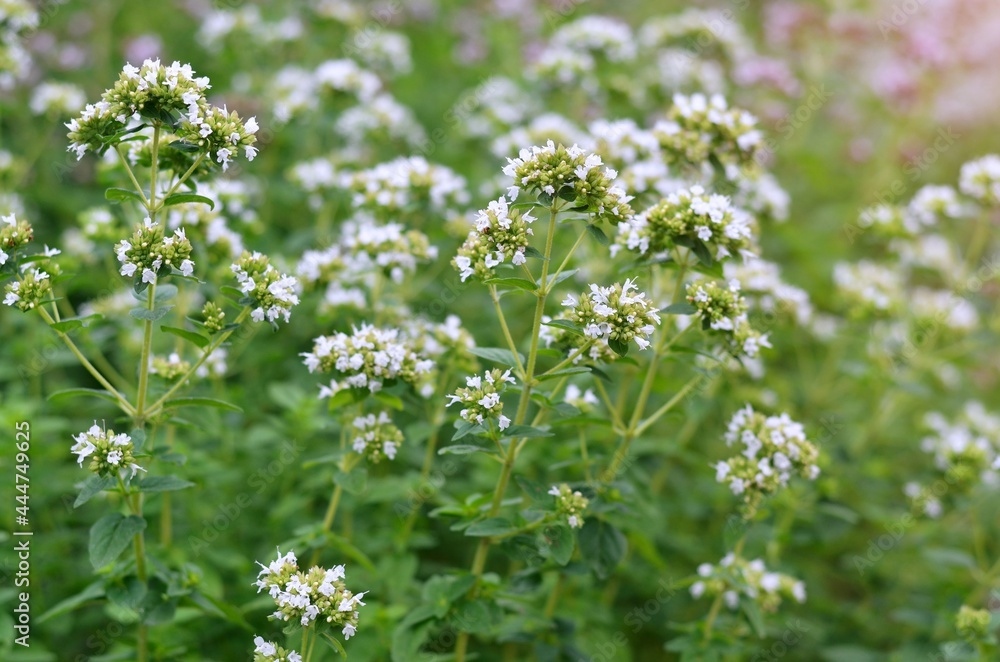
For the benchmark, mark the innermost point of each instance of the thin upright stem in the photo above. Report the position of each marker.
(147, 344)
(482, 551)
(123, 403)
(506, 331)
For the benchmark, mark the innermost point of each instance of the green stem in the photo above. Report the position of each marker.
(131, 175)
(184, 177)
(123, 403)
(717, 603)
(562, 265)
(153, 171)
(222, 337)
(506, 331)
(482, 551)
(669, 405)
(571, 358)
(147, 343)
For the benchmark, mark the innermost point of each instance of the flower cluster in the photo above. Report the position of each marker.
(773, 449)
(501, 235)
(29, 290)
(366, 359)
(271, 293)
(570, 504)
(109, 453)
(376, 437)
(169, 95)
(267, 651)
(57, 99)
(980, 179)
(684, 218)
(597, 35)
(735, 578)
(390, 248)
(402, 182)
(698, 128)
(723, 309)
(316, 596)
(570, 173)
(213, 316)
(170, 368)
(973, 625)
(13, 235)
(481, 397)
(582, 400)
(968, 449)
(610, 317)
(765, 290)
(870, 287)
(149, 254)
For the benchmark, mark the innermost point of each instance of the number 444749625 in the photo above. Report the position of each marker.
(22, 443)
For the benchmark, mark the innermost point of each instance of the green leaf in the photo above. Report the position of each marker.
(602, 546)
(77, 392)
(566, 325)
(440, 591)
(463, 449)
(520, 283)
(164, 293)
(181, 198)
(92, 487)
(526, 431)
(110, 535)
(344, 398)
(561, 276)
(559, 543)
(150, 315)
(162, 484)
(138, 438)
(71, 323)
(491, 526)
(754, 616)
(497, 355)
(127, 592)
(620, 348)
(232, 293)
(389, 400)
(679, 308)
(465, 428)
(597, 233)
(701, 251)
(334, 644)
(531, 251)
(216, 607)
(354, 481)
(92, 592)
(535, 491)
(201, 402)
(191, 336)
(122, 194)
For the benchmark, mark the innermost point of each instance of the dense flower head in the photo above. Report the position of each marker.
(382, 119)
(542, 128)
(501, 235)
(612, 317)
(148, 253)
(29, 289)
(400, 183)
(213, 317)
(942, 308)
(598, 35)
(481, 398)
(772, 450)
(559, 66)
(14, 234)
(222, 134)
(570, 173)
(694, 28)
(347, 76)
(318, 595)
(376, 437)
(365, 359)
(387, 247)
(165, 95)
(684, 218)
(268, 651)
(968, 447)
(973, 625)
(623, 142)
(761, 282)
(980, 179)
(109, 453)
(736, 578)
(503, 104)
(170, 367)
(440, 341)
(932, 204)
(698, 127)
(724, 310)
(272, 294)
(868, 287)
(57, 98)
(570, 504)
